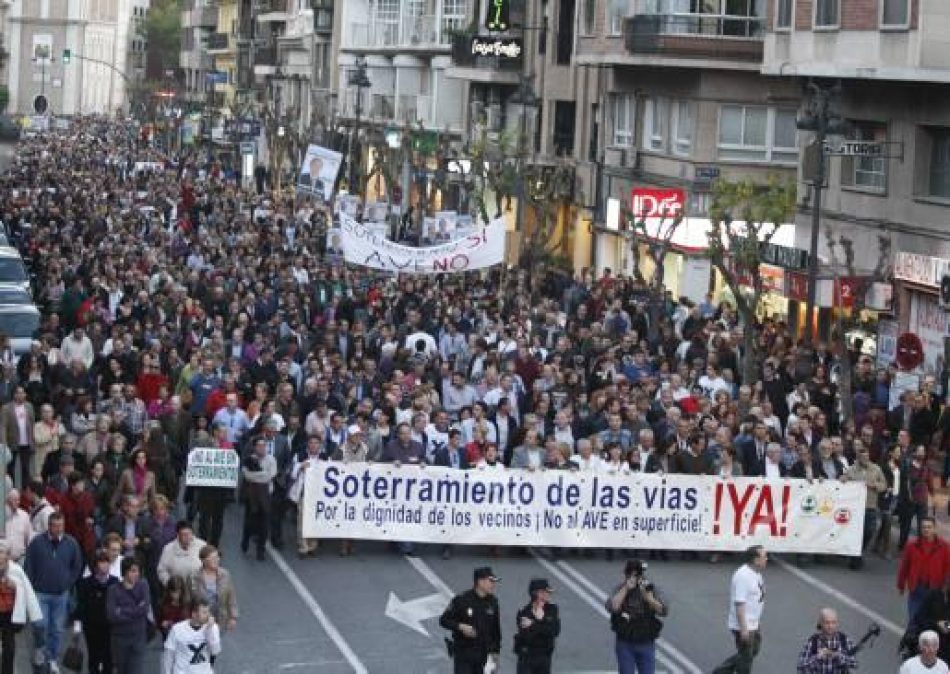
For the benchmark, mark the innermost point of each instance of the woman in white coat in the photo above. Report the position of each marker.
(18, 606)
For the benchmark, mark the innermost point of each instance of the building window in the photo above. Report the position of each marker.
(757, 133)
(590, 16)
(783, 14)
(895, 13)
(615, 16)
(454, 14)
(866, 173)
(654, 124)
(682, 128)
(623, 108)
(826, 13)
(940, 162)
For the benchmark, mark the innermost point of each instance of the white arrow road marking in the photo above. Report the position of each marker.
(413, 612)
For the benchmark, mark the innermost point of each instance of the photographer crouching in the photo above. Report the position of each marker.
(635, 607)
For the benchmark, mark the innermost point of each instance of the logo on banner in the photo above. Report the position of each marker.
(842, 516)
(657, 203)
(809, 505)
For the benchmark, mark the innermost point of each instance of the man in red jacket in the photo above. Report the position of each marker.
(925, 564)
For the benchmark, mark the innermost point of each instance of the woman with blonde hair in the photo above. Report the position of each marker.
(47, 432)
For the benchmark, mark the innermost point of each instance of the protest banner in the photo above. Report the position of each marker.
(362, 246)
(212, 467)
(318, 172)
(580, 509)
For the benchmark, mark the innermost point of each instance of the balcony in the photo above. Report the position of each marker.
(421, 32)
(265, 61)
(274, 11)
(219, 43)
(414, 109)
(205, 16)
(695, 36)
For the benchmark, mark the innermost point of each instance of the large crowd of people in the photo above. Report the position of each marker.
(181, 309)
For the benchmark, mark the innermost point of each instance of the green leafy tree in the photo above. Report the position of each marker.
(745, 216)
(162, 32)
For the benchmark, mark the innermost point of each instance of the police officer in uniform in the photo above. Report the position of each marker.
(474, 621)
(538, 627)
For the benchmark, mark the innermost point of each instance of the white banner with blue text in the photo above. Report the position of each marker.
(495, 506)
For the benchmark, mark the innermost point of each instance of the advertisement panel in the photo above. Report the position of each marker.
(493, 506)
(649, 202)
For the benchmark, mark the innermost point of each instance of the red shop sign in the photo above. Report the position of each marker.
(796, 286)
(845, 291)
(647, 202)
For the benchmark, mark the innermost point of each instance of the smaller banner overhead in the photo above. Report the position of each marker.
(318, 172)
(364, 246)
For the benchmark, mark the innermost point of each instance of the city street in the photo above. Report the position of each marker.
(329, 614)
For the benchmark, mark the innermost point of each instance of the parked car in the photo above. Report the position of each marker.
(13, 273)
(21, 323)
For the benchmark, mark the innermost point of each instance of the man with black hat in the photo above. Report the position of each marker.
(634, 608)
(473, 617)
(538, 626)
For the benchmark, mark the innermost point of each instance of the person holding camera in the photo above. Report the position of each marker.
(635, 609)
(827, 651)
(474, 620)
(538, 626)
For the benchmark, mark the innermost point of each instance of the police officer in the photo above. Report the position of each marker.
(538, 627)
(474, 620)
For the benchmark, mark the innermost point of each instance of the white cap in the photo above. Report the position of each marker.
(354, 429)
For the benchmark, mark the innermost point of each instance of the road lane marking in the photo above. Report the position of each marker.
(317, 611)
(603, 596)
(598, 607)
(426, 572)
(806, 577)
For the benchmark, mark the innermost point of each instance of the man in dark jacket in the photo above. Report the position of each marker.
(474, 620)
(90, 614)
(53, 563)
(538, 626)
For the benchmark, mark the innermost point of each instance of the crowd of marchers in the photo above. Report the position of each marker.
(182, 309)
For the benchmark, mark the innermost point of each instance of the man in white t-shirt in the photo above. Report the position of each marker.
(746, 601)
(927, 662)
(192, 644)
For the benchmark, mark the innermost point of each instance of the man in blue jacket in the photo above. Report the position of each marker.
(53, 563)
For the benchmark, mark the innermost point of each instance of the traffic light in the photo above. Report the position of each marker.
(67, 55)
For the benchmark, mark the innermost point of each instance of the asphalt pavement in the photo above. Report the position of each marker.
(377, 611)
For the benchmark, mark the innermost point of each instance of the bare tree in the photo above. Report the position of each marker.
(859, 286)
(745, 216)
(657, 246)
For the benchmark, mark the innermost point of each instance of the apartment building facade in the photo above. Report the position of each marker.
(672, 98)
(890, 60)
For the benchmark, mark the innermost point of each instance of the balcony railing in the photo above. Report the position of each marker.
(695, 35)
(414, 109)
(382, 107)
(417, 31)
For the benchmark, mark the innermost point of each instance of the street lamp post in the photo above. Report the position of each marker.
(526, 98)
(359, 79)
(823, 122)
